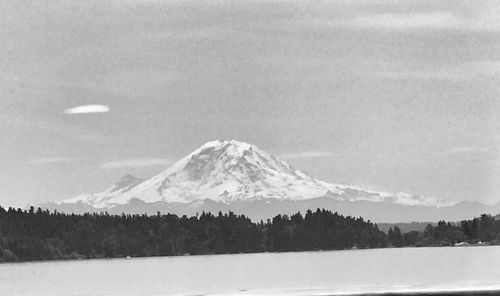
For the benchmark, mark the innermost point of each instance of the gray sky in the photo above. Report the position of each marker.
(392, 95)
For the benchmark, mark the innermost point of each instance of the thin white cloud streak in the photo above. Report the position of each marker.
(455, 73)
(433, 20)
(471, 149)
(306, 154)
(136, 162)
(50, 160)
(84, 109)
(445, 20)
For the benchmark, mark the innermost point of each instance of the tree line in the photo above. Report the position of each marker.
(27, 235)
(480, 230)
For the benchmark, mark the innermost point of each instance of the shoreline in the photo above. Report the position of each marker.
(227, 254)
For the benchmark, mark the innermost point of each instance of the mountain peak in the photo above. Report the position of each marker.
(227, 171)
(225, 142)
(233, 145)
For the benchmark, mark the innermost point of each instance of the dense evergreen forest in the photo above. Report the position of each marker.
(42, 235)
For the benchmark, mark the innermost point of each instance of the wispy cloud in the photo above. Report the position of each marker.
(50, 160)
(471, 149)
(432, 20)
(407, 21)
(306, 154)
(84, 109)
(456, 73)
(136, 162)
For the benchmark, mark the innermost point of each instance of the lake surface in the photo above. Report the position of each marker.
(304, 273)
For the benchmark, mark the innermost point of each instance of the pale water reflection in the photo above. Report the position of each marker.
(304, 273)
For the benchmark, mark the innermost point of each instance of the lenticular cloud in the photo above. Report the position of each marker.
(87, 109)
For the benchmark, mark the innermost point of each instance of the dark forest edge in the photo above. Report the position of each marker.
(27, 235)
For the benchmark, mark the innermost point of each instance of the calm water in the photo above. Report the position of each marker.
(307, 273)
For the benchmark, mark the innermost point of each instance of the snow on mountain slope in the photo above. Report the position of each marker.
(97, 200)
(230, 171)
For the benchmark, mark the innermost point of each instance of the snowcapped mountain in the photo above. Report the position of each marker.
(231, 171)
(233, 175)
